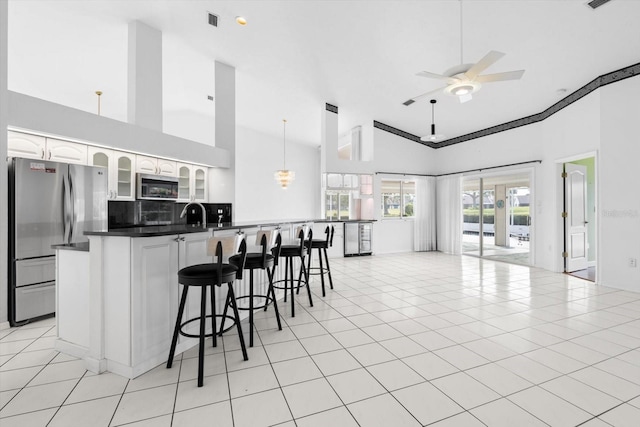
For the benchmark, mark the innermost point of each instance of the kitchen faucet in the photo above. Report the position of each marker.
(204, 212)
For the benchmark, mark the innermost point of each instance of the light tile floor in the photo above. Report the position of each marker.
(403, 340)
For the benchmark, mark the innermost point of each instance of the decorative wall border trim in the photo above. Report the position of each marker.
(331, 108)
(603, 80)
(398, 132)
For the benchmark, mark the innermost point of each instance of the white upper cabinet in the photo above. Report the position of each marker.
(38, 147)
(184, 183)
(26, 145)
(155, 166)
(146, 164)
(66, 152)
(121, 171)
(200, 193)
(192, 181)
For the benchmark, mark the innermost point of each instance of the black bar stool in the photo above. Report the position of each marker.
(206, 276)
(322, 246)
(263, 261)
(289, 252)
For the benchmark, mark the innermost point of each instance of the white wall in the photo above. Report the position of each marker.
(191, 125)
(392, 153)
(570, 132)
(618, 198)
(258, 195)
(603, 123)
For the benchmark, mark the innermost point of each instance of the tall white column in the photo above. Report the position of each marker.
(4, 189)
(144, 102)
(329, 135)
(222, 181)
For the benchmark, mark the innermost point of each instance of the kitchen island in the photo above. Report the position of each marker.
(117, 299)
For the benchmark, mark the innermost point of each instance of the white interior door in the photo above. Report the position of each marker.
(575, 193)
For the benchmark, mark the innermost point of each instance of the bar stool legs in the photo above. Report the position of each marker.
(231, 301)
(321, 251)
(288, 275)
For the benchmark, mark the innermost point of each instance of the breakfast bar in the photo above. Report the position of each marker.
(118, 296)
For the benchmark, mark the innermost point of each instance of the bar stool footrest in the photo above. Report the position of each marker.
(208, 316)
(255, 307)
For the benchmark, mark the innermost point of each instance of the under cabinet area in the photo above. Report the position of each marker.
(121, 171)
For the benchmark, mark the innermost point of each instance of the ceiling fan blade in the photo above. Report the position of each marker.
(498, 77)
(449, 80)
(483, 64)
(465, 98)
(419, 97)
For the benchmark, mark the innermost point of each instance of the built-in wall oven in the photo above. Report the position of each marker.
(156, 187)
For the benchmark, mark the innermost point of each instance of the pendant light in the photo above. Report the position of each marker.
(284, 176)
(434, 137)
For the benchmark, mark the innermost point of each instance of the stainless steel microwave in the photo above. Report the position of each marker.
(156, 187)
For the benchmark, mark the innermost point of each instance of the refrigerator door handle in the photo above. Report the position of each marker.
(65, 210)
(72, 202)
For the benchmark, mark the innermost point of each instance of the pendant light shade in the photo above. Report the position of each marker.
(433, 137)
(284, 176)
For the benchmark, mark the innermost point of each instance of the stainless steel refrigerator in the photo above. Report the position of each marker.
(50, 204)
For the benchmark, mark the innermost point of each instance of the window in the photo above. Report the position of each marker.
(342, 193)
(398, 199)
(337, 205)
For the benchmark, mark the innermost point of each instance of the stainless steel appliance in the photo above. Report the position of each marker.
(357, 238)
(50, 203)
(156, 187)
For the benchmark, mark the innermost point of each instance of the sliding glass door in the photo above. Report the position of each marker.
(497, 217)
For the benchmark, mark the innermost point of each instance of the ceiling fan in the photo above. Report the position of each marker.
(465, 79)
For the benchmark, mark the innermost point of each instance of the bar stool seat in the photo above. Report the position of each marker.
(206, 276)
(321, 245)
(262, 261)
(289, 252)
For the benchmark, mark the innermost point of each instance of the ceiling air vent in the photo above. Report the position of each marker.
(213, 19)
(594, 4)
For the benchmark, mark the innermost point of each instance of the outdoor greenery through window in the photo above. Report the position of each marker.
(398, 199)
(337, 205)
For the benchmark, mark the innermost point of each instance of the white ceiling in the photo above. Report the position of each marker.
(294, 56)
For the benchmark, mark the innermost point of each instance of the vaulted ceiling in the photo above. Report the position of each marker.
(293, 56)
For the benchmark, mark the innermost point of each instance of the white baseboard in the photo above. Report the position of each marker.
(4, 325)
(591, 264)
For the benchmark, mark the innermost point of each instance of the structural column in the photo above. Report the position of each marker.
(222, 181)
(144, 102)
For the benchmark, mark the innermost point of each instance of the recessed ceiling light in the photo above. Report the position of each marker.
(241, 20)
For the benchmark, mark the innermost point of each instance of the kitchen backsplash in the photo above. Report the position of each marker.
(154, 212)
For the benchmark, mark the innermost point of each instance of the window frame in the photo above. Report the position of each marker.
(402, 195)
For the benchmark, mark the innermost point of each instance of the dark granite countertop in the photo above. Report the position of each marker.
(165, 230)
(82, 246)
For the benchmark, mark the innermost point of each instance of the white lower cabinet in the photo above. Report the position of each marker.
(154, 287)
(193, 250)
(155, 292)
